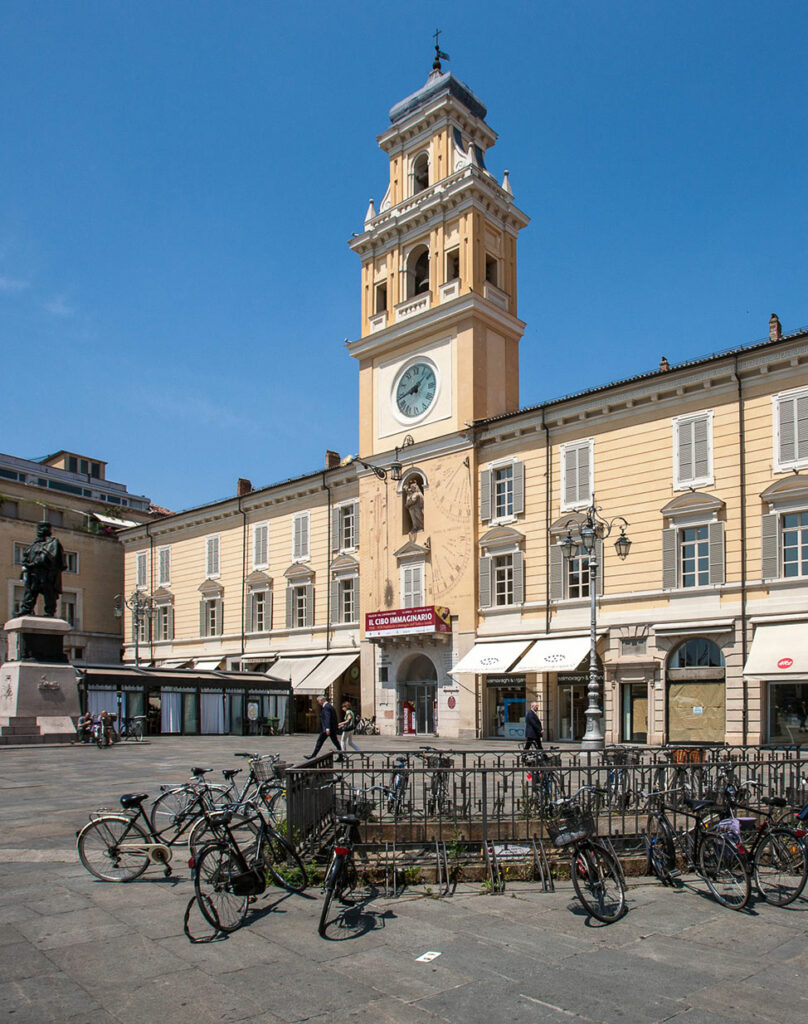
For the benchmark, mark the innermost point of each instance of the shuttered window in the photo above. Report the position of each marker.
(260, 611)
(502, 580)
(693, 455)
(791, 430)
(210, 612)
(212, 557)
(693, 556)
(300, 537)
(165, 622)
(502, 492)
(260, 545)
(141, 569)
(412, 586)
(164, 563)
(345, 527)
(576, 473)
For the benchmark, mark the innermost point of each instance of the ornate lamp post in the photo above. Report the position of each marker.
(142, 608)
(584, 535)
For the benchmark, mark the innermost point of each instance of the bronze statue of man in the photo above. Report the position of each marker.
(42, 565)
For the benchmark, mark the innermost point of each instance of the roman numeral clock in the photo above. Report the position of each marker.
(415, 390)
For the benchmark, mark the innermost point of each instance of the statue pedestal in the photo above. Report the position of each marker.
(39, 699)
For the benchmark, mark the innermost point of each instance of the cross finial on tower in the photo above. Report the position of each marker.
(439, 54)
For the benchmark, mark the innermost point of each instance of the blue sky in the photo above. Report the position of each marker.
(178, 182)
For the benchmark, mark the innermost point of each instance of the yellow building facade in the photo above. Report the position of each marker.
(427, 578)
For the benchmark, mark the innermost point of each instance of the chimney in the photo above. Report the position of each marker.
(775, 328)
(664, 364)
(243, 487)
(331, 460)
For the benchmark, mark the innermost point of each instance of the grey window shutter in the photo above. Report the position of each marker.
(335, 537)
(268, 614)
(584, 490)
(556, 573)
(485, 582)
(716, 541)
(518, 578)
(171, 623)
(219, 617)
(309, 604)
(485, 495)
(684, 438)
(769, 561)
(290, 594)
(356, 523)
(203, 623)
(336, 611)
(802, 427)
(670, 575)
(518, 488)
(599, 556)
(355, 588)
(570, 476)
(701, 448)
(788, 437)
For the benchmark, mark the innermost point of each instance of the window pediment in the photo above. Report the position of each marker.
(563, 524)
(258, 579)
(692, 502)
(412, 551)
(791, 489)
(502, 537)
(163, 596)
(299, 573)
(345, 563)
(210, 588)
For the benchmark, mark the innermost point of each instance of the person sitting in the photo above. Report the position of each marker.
(84, 727)
(108, 725)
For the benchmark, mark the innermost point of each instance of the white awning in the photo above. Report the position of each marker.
(294, 670)
(174, 663)
(120, 524)
(555, 654)
(491, 659)
(779, 652)
(330, 668)
(207, 664)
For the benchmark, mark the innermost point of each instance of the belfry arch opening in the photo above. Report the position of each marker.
(420, 173)
(418, 271)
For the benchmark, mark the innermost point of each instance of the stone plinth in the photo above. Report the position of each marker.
(39, 700)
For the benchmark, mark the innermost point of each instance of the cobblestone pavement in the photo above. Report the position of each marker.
(73, 949)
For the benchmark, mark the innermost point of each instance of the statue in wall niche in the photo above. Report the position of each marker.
(43, 563)
(415, 505)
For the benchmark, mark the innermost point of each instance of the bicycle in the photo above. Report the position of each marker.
(438, 763)
(619, 794)
(226, 877)
(714, 852)
(341, 875)
(132, 728)
(543, 787)
(595, 872)
(367, 726)
(178, 807)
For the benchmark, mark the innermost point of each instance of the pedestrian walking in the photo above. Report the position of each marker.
(328, 726)
(533, 729)
(347, 726)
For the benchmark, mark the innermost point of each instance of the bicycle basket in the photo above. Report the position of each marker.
(249, 883)
(435, 761)
(621, 756)
(565, 820)
(263, 768)
(361, 808)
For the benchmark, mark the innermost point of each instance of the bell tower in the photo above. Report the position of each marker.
(439, 344)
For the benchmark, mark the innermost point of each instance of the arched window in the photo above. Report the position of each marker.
(420, 173)
(418, 271)
(697, 653)
(696, 698)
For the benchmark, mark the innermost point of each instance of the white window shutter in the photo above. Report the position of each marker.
(485, 582)
(802, 427)
(769, 560)
(485, 495)
(518, 578)
(556, 573)
(304, 535)
(670, 575)
(296, 542)
(716, 544)
(518, 488)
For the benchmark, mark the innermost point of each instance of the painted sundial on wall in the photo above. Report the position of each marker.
(452, 546)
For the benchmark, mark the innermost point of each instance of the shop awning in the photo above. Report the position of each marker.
(119, 524)
(206, 664)
(779, 652)
(555, 654)
(330, 668)
(493, 658)
(295, 670)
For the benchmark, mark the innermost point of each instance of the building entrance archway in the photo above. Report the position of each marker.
(417, 687)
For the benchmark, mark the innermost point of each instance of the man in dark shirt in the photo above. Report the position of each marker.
(533, 729)
(328, 726)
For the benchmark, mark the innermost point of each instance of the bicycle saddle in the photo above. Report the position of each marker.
(230, 773)
(567, 838)
(348, 819)
(199, 772)
(775, 801)
(129, 800)
(698, 805)
(221, 818)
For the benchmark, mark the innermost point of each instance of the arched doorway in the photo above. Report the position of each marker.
(417, 696)
(695, 692)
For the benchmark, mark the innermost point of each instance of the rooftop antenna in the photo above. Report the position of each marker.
(439, 54)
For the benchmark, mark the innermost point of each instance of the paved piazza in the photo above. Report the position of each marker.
(73, 949)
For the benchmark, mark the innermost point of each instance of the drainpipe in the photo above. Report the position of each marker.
(327, 489)
(742, 478)
(547, 497)
(243, 570)
(151, 590)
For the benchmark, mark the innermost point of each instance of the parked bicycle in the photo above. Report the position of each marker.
(367, 726)
(132, 728)
(595, 872)
(712, 849)
(437, 796)
(542, 786)
(341, 875)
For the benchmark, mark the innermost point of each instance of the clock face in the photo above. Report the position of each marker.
(416, 390)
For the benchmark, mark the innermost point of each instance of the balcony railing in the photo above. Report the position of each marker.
(495, 295)
(412, 307)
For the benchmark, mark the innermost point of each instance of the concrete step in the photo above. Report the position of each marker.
(22, 740)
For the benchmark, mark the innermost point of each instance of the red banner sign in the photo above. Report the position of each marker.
(408, 620)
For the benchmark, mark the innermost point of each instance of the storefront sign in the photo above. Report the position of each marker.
(785, 663)
(450, 703)
(252, 710)
(507, 682)
(430, 619)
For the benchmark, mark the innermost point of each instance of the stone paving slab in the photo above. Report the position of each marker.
(75, 950)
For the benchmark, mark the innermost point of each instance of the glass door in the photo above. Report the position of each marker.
(571, 708)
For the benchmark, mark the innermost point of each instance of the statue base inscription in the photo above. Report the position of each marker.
(39, 700)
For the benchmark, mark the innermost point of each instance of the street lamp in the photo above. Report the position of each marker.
(395, 465)
(584, 534)
(141, 606)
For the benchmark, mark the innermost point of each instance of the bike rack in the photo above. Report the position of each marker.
(442, 873)
(541, 866)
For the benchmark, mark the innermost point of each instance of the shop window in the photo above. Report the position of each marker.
(696, 692)
(698, 652)
(788, 713)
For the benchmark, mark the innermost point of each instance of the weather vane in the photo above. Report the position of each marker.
(439, 54)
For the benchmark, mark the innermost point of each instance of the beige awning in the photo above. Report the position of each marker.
(294, 669)
(329, 669)
(206, 664)
(779, 652)
(491, 659)
(119, 524)
(555, 654)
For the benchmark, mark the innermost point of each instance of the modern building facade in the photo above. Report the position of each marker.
(86, 511)
(426, 578)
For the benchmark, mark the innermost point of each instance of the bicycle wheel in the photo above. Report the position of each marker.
(99, 739)
(781, 867)
(202, 833)
(283, 861)
(598, 883)
(724, 870)
(661, 848)
(171, 809)
(333, 884)
(214, 870)
(111, 848)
